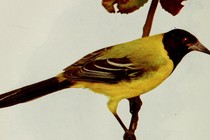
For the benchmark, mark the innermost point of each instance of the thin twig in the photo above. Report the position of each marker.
(148, 24)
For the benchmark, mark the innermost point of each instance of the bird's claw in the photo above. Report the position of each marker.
(129, 135)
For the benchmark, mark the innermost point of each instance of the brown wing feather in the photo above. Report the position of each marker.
(88, 58)
(111, 70)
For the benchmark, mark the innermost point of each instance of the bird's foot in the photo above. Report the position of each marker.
(129, 135)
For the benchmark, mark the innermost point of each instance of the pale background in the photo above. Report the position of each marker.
(40, 38)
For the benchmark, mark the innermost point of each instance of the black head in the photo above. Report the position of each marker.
(180, 42)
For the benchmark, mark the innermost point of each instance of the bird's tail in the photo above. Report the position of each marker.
(33, 91)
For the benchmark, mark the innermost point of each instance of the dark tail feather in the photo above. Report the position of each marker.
(33, 91)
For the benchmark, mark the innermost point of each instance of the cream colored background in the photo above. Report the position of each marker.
(40, 38)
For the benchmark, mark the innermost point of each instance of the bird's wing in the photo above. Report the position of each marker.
(109, 70)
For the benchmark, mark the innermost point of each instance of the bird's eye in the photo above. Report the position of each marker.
(185, 40)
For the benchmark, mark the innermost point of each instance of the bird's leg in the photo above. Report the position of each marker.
(135, 106)
(128, 134)
(112, 105)
(121, 122)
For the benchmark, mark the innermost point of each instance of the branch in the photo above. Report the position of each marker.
(148, 24)
(135, 103)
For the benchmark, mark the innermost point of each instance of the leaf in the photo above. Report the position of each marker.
(124, 6)
(172, 6)
(109, 5)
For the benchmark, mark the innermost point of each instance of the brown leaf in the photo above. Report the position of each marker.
(172, 6)
(109, 5)
(124, 6)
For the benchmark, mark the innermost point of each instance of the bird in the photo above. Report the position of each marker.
(122, 71)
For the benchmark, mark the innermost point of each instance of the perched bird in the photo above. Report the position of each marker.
(120, 72)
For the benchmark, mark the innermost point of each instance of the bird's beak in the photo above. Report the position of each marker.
(199, 47)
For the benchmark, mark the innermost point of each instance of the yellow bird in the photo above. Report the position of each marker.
(120, 72)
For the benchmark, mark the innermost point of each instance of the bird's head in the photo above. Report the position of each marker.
(179, 42)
